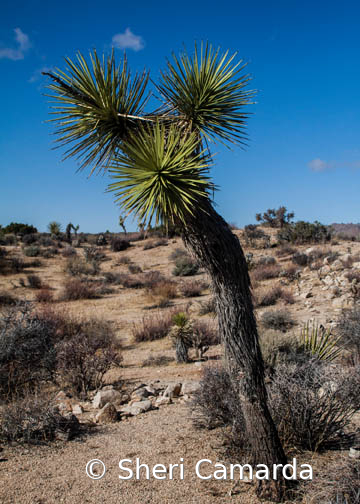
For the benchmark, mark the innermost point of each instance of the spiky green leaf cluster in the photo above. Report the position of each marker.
(208, 92)
(319, 342)
(160, 173)
(92, 105)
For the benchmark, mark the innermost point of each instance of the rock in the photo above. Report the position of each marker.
(61, 396)
(77, 409)
(310, 250)
(65, 406)
(160, 401)
(106, 396)
(325, 270)
(337, 265)
(68, 426)
(189, 388)
(354, 453)
(137, 408)
(108, 414)
(140, 394)
(172, 390)
(346, 258)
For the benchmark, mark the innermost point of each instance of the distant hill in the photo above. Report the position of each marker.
(347, 230)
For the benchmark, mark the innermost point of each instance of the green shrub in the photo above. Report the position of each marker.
(118, 244)
(31, 251)
(305, 232)
(185, 266)
(278, 320)
(19, 228)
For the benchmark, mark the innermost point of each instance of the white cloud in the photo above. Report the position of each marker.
(37, 74)
(318, 165)
(128, 40)
(18, 53)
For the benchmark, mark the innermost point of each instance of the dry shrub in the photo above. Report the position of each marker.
(270, 297)
(290, 272)
(285, 250)
(266, 261)
(348, 328)
(178, 253)
(118, 244)
(75, 266)
(44, 295)
(308, 412)
(69, 252)
(34, 419)
(134, 268)
(34, 282)
(205, 334)
(279, 320)
(287, 297)
(336, 483)
(353, 275)
(265, 273)
(312, 404)
(75, 289)
(85, 358)
(153, 327)
(7, 299)
(123, 260)
(192, 289)
(208, 306)
(27, 353)
(300, 259)
(165, 289)
(157, 360)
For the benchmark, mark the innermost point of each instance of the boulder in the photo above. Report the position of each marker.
(172, 390)
(337, 265)
(68, 426)
(137, 408)
(189, 388)
(77, 409)
(108, 414)
(106, 396)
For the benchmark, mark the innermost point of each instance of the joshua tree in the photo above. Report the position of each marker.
(159, 162)
(54, 228)
(181, 333)
(122, 223)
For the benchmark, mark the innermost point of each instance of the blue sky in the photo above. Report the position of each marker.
(304, 149)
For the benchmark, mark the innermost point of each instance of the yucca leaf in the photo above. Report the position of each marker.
(160, 174)
(96, 106)
(208, 91)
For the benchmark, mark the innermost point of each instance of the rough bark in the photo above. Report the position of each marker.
(220, 253)
(181, 350)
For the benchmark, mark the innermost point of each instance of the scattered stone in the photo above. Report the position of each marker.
(68, 427)
(354, 453)
(189, 388)
(77, 409)
(137, 408)
(106, 396)
(172, 390)
(337, 265)
(108, 414)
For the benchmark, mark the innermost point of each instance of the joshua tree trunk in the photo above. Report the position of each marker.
(220, 253)
(181, 350)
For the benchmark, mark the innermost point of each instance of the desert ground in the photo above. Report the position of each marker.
(55, 472)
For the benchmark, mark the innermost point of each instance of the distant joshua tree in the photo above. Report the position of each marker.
(54, 228)
(122, 223)
(275, 218)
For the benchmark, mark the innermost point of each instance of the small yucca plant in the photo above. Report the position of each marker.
(319, 342)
